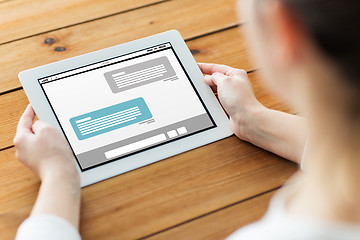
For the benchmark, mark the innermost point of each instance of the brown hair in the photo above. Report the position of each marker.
(334, 26)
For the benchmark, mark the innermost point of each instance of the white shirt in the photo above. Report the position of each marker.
(47, 227)
(277, 224)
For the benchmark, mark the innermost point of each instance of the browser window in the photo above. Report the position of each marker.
(120, 106)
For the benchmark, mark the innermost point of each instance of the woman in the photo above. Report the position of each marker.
(309, 54)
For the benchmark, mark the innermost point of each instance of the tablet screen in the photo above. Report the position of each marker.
(120, 106)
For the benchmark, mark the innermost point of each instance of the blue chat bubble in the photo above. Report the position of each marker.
(110, 118)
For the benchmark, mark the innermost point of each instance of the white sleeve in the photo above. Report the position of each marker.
(47, 227)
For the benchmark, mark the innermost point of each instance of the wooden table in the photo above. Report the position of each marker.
(206, 193)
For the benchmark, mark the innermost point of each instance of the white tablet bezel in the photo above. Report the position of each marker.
(29, 80)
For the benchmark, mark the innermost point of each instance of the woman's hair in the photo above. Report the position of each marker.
(334, 26)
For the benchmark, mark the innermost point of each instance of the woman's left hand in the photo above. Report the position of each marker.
(42, 148)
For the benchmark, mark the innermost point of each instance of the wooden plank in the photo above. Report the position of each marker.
(229, 48)
(162, 195)
(20, 190)
(22, 18)
(205, 49)
(13, 104)
(226, 47)
(182, 15)
(156, 197)
(220, 224)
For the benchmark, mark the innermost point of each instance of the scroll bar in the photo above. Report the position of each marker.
(135, 146)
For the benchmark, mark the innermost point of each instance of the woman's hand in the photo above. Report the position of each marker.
(43, 149)
(235, 94)
(275, 131)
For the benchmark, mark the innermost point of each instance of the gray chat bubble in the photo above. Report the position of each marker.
(140, 74)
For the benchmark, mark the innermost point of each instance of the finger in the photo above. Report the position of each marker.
(211, 68)
(24, 126)
(209, 80)
(218, 78)
(39, 125)
(26, 120)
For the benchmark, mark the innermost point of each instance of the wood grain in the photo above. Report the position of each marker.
(220, 224)
(206, 49)
(226, 47)
(156, 197)
(195, 195)
(229, 48)
(182, 15)
(22, 18)
(14, 103)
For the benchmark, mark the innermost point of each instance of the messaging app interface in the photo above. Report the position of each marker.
(114, 108)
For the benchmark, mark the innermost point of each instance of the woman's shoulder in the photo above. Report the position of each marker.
(278, 224)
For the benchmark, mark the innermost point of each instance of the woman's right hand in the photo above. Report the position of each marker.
(235, 94)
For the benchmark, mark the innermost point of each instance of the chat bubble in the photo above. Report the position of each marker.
(140, 74)
(110, 118)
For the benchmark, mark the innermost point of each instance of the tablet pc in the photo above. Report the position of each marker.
(127, 106)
